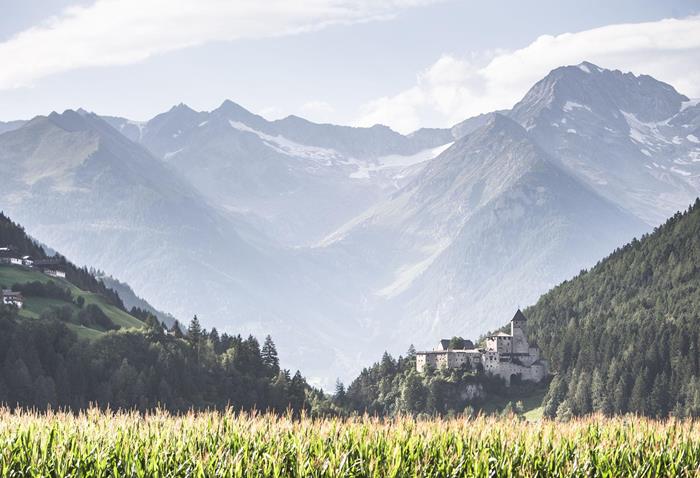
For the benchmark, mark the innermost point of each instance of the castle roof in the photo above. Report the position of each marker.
(519, 317)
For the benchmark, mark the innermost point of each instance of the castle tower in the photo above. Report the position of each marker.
(518, 329)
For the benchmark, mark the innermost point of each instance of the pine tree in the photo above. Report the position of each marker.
(194, 331)
(600, 401)
(269, 356)
(640, 392)
(339, 396)
(582, 397)
(388, 366)
(564, 413)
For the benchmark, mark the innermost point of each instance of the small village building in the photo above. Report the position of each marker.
(54, 272)
(508, 356)
(10, 297)
(51, 267)
(9, 256)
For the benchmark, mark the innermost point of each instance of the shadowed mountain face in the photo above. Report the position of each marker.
(343, 242)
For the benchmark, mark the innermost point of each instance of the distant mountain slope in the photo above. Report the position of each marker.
(486, 225)
(632, 138)
(295, 179)
(624, 336)
(131, 300)
(10, 125)
(106, 201)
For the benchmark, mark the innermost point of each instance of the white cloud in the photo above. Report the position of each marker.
(119, 32)
(318, 111)
(454, 88)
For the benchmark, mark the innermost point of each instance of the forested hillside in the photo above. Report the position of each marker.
(14, 236)
(73, 344)
(393, 386)
(43, 363)
(80, 300)
(625, 336)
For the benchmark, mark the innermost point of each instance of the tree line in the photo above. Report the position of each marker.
(44, 364)
(624, 337)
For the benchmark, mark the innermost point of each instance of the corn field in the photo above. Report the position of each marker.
(228, 444)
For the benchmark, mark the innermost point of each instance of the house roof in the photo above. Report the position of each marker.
(49, 262)
(10, 293)
(519, 317)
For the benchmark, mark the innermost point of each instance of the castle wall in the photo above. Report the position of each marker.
(504, 356)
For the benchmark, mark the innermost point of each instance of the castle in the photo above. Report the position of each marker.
(505, 355)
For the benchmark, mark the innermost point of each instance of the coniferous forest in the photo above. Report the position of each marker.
(43, 364)
(625, 336)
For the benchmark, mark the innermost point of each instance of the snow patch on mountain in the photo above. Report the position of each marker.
(291, 148)
(571, 105)
(394, 161)
(682, 172)
(170, 154)
(645, 132)
(690, 103)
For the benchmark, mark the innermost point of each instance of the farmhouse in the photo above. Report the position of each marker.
(51, 267)
(508, 356)
(12, 298)
(9, 256)
(54, 272)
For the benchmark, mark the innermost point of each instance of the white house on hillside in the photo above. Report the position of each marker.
(12, 298)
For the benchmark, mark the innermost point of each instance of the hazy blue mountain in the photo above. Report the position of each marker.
(106, 201)
(489, 224)
(131, 299)
(632, 138)
(10, 125)
(343, 242)
(295, 179)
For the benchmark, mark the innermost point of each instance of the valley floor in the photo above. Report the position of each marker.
(97, 444)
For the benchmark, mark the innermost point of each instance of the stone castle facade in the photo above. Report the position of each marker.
(505, 355)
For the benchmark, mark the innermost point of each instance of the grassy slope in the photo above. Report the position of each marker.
(35, 305)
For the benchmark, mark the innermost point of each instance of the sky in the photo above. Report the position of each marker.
(404, 63)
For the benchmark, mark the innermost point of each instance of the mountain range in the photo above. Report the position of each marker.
(343, 242)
